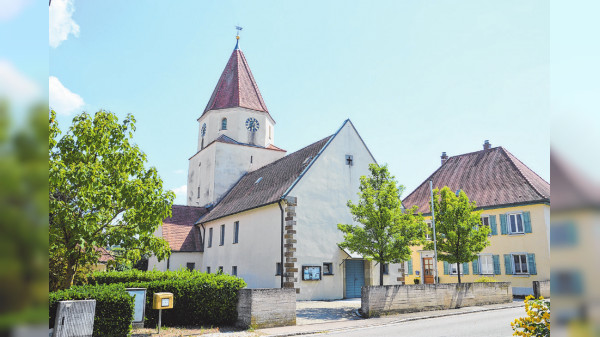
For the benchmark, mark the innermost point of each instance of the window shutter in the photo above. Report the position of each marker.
(508, 264)
(475, 266)
(496, 264)
(503, 224)
(410, 268)
(527, 222)
(493, 225)
(531, 264)
(465, 268)
(446, 272)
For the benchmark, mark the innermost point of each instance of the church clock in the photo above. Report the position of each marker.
(252, 124)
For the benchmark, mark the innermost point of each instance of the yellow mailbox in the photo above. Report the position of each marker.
(162, 301)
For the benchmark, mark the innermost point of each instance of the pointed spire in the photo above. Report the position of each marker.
(236, 86)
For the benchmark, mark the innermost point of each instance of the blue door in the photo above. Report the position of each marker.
(355, 277)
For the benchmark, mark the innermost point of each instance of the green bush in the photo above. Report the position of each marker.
(114, 307)
(199, 298)
(485, 279)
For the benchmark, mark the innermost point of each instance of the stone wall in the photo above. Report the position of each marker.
(382, 300)
(264, 308)
(541, 288)
(290, 269)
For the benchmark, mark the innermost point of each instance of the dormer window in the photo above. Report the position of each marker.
(224, 124)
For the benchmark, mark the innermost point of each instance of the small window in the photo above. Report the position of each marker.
(190, 266)
(520, 264)
(220, 271)
(278, 268)
(210, 235)
(234, 270)
(208, 270)
(485, 221)
(198, 191)
(251, 159)
(386, 269)
(349, 159)
(486, 265)
(429, 233)
(270, 132)
(563, 234)
(515, 223)
(222, 241)
(327, 268)
(566, 282)
(224, 124)
(236, 231)
(454, 269)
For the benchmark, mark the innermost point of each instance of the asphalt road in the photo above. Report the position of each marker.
(494, 323)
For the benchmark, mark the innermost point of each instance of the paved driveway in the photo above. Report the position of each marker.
(311, 312)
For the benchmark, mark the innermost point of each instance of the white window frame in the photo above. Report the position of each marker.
(491, 259)
(509, 223)
(429, 233)
(329, 266)
(451, 270)
(486, 216)
(514, 265)
(210, 237)
(222, 236)
(236, 232)
(234, 270)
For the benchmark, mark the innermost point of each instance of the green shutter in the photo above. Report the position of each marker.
(527, 222)
(531, 264)
(410, 268)
(475, 266)
(508, 269)
(503, 224)
(493, 225)
(465, 268)
(446, 271)
(496, 264)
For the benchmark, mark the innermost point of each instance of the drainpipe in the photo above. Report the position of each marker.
(281, 272)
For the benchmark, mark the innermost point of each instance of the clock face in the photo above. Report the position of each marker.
(203, 130)
(252, 124)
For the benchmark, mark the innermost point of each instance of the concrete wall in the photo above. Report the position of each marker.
(263, 308)
(382, 300)
(541, 288)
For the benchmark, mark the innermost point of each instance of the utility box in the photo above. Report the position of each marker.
(162, 301)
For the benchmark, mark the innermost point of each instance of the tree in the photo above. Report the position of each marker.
(386, 234)
(101, 195)
(459, 233)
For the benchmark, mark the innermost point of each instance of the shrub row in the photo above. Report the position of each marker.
(134, 275)
(114, 307)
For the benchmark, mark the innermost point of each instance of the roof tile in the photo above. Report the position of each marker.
(179, 230)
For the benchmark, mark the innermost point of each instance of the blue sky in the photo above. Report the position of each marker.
(416, 78)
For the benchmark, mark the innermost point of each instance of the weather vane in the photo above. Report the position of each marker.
(239, 29)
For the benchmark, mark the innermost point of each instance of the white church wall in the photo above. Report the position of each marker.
(258, 249)
(201, 165)
(176, 261)
(236, 126)
(322, 196)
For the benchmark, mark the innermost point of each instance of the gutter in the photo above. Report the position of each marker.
(281, 208)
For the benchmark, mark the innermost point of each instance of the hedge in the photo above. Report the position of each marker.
(199, 298)
(114, 307)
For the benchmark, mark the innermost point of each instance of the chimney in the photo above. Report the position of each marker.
(444, 157)
(487, 145)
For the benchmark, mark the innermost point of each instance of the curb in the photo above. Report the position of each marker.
(325, 330)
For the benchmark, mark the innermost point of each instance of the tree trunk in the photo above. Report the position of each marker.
(458, 269)
(67, 282)
(381, 268)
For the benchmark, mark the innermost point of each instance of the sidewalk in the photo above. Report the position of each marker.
(347, 323)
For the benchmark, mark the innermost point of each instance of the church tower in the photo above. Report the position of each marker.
(236, 134)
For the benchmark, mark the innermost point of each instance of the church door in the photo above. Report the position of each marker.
(355, 277)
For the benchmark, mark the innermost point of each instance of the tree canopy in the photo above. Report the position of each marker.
(459, 233)
(101, 195)
(385, 233)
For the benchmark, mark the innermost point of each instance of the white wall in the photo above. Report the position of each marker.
(176, 261)
(258, 249)
(201, 171)
(322, 196)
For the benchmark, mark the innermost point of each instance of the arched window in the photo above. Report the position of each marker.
(224, 124)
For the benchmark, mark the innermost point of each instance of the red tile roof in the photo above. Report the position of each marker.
(571, 189)
(179, 230)
(491, 178)
(236, 87)
(105, 255)
(267, 184)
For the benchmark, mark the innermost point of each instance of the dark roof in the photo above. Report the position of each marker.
(236, 87)
(491, 178)
(179, 230)
(574, 190)
(228, 140)
(275, 179)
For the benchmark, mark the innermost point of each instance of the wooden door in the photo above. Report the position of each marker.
(428, 270)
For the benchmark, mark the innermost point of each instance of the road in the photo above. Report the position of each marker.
(494, 323)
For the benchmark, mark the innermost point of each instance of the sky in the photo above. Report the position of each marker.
(416, 78)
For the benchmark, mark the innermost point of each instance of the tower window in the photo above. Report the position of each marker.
(349, 159)
(224, 124)
(250, 159)
(198, 191)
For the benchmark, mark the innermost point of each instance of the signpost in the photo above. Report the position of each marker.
(162, 301)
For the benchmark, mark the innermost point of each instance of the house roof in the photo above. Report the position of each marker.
(179, 230)
(267, 184)
(236, 87)
(575, 191)
(491, 178)
(105, 255)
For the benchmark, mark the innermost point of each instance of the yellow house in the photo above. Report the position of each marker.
(515, 203)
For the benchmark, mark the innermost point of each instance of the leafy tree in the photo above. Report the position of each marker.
(459, 233)
(386, 233)
(101, 195)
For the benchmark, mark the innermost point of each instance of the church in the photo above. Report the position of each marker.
(264, 215)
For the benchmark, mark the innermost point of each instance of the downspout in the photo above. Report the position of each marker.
(281, 272)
